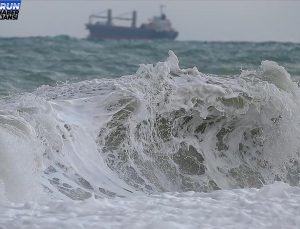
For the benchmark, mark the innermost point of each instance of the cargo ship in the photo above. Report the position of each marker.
(102, 27)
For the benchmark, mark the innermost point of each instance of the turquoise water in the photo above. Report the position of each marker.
(27, 63)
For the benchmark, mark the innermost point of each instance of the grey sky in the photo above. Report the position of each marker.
(195, 20)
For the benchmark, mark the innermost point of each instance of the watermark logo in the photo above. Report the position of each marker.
(9, 9)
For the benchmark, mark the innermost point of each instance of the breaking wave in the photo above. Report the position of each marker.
(161, 129)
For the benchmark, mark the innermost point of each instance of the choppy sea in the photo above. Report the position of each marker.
(149, 134)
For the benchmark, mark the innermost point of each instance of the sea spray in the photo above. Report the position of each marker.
(19, 162)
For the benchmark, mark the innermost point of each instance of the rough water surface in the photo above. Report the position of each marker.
(162, 147)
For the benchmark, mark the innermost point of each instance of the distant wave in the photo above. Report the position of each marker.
(30, 62)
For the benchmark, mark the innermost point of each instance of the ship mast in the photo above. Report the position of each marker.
(162, 9)
(109, 18)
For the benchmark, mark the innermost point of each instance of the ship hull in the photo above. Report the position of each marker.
(105, 32)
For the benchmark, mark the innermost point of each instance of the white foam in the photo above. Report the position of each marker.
(18, 160)
(276, 74)
(274, 206)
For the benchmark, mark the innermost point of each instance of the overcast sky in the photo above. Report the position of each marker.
(221, 20)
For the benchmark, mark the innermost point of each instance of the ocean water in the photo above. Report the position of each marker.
(131, 135)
